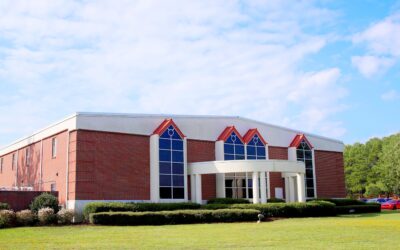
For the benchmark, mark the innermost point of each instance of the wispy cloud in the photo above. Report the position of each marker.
(194, 57)
(391, 95)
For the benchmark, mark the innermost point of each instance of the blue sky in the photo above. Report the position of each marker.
(326, 67)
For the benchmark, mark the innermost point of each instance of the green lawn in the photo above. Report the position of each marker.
(368, 231)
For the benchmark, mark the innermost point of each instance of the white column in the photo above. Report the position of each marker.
(263, 187)
(269, 186)
(198, 188)
(220, 178)
(193, 188)
(256, 186)
(154, 169)
(291, 189)
(300, 188)
(287, 195)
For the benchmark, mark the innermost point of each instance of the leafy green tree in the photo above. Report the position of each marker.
(390, 163)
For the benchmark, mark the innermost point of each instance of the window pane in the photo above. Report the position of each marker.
(179, 193)
(299, 153)
(260, 151)
(228, 157)
(228, 192)
(261, 157)
(310, 192)
(165, 193)
(176, 135)
(250, 193)
(239, 157)
(251, 157)
(228, 148)
(228, 183)
(239, 149)
(165, 155)
(178, 180)
(308, 154)
(177, 156)
(177, 168)
(251, 150)
(310, 183)
(165, 180)
(165, 168)
(309, 172)
(165, 144)
(177, 144)
(165, 134)
(309, 164)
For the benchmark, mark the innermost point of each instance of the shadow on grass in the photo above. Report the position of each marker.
(367, 215)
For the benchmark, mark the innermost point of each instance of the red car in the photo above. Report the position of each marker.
(393, 204)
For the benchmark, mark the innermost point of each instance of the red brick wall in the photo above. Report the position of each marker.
(276, 180)
(203, 151)
(329, 171)
(8, 174)
(19, 200)
(112, 166)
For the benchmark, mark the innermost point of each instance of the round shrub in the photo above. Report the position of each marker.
(7, 218)
(26, 218)
(44, 200)
(65, 216)
(4, 206)
(47, 216)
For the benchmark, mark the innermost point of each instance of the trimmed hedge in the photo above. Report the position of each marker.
(227, 201)
(290, 210)
(44, 200)
(275, 200)
(96, 207)
(340, 202)
(173, 217)
(4, 206)
(358, 209)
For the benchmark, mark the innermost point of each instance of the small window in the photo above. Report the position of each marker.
(54, 147)
(1, 165)
(14, 161)
(53, 187)
(27, 156)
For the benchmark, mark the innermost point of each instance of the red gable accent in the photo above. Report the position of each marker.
(249, 135)
(227, 132)
(164, 125)
(297, 140)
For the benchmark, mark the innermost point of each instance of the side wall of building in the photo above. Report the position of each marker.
(112, 166)
(276, 180)
(329, 170)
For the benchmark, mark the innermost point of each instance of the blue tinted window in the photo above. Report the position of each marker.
(239, 157)
(261, 151)
(171, 164)
(239, 149)
(233, 148)
(229, 157)
(304, 151)
(256, 149)
(165, 168)
(251, 150)
(228, 148)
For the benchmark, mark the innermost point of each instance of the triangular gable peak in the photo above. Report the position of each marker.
(298, 139)
(250, 134)
(227, 132)
(164, 126)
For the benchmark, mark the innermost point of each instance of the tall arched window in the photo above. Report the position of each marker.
(233, 148)
(255, 149)
(304, 154)
(171, 165)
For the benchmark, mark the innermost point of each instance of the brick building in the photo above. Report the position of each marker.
(157, 158)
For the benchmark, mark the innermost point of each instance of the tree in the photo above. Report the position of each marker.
(390, 163)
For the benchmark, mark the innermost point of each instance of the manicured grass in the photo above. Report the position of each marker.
(366, 231)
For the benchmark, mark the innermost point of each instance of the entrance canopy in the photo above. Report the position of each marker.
(293, 172)
(238, 166)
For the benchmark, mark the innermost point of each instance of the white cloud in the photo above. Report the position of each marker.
(382, 41)
(194, 57)
(391, 95)
(371, 65)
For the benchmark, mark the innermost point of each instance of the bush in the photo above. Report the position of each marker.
(7, 218)
(96, 207)
(309, 209)
(65, 216)
(173, 217)
(4, 206)
(358, 209)
(341, 202)
(275, 200)
(47, 216)
(227, 201)
(216, 206)
(26, 218)
(44, 200)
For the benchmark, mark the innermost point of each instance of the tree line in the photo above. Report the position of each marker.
(373, 168)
